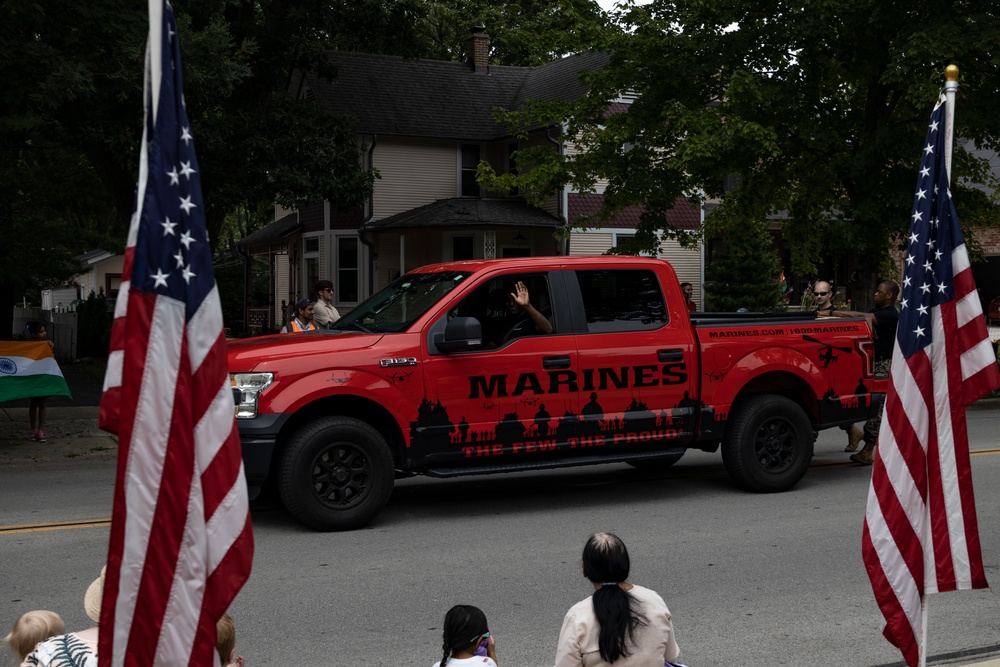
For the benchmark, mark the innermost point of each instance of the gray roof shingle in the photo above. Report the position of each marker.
(440, 99)
(468, 212)
(279, 229)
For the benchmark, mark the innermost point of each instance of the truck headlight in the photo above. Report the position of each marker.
(246, 389)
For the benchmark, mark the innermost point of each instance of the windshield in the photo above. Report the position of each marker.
(399, 304)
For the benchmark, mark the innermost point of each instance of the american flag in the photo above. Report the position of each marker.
(181, 544)
(920, 534)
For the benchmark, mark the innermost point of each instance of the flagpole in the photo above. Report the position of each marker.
(950, 88)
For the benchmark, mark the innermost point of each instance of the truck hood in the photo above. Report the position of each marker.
(247, 353)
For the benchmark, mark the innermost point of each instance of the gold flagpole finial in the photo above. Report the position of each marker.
(951, 73)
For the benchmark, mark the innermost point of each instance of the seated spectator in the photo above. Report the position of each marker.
(467, 639)
(621, 624)
(225, 641)
(74, 648)
(31, 628)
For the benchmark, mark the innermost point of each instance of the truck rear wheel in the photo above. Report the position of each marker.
(768, 444)
(336, 474)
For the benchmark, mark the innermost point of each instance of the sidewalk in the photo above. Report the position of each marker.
(961, 662)
(71, 431)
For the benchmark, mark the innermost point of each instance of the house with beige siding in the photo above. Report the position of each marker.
(425, 126)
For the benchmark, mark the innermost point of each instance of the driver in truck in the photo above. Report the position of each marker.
(520, 318)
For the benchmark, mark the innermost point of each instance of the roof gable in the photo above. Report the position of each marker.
(434, 98)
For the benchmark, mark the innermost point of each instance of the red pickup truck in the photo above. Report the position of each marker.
(438, 374)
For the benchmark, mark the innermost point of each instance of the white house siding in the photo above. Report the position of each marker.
(570, 149)
(414, 172)
(686, 262)
(95, 278)
(551, 204)
(590, 242)
(326, 255)
(687, 265)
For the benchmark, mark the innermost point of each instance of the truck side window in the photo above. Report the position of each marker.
(622, 300)
(490, 304)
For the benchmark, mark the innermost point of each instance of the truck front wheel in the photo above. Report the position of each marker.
(336, 474)
(768, 444)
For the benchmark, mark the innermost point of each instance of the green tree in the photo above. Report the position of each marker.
(744, 273)
(522, 32)
(93, 334)
(818, 109)
(71, 82)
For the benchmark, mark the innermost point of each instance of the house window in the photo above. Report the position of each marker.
(470, 163)
(348, 269)
(624, 241)
(112, 283)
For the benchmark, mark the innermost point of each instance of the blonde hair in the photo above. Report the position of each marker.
(225, 638)
(33, 627)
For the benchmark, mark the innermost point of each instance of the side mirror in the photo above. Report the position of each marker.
(461, 333)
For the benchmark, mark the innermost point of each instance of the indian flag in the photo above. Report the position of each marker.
(28, 370)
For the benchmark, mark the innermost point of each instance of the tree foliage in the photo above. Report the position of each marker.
(71, 109)
(744, 273)
(818, 108)
(522, 32)
(71, 79)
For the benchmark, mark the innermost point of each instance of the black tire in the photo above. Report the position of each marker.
(768, 444)
(336, 474)
(658, 464)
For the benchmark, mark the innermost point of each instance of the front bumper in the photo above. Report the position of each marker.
(258, 438)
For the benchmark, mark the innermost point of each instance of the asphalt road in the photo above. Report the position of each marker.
(751, 579)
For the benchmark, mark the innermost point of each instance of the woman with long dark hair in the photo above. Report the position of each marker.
(621, 624)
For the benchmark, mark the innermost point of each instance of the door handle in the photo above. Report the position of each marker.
(553, 363)
(675, 354)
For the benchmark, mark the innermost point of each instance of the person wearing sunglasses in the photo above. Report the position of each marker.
(823, 291)
(325, 314)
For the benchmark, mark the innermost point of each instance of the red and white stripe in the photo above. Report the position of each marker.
(181, 543)
(921, 534)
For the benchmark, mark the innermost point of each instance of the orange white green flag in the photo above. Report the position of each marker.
(28, 369)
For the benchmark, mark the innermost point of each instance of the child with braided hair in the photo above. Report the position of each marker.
(467, 640)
